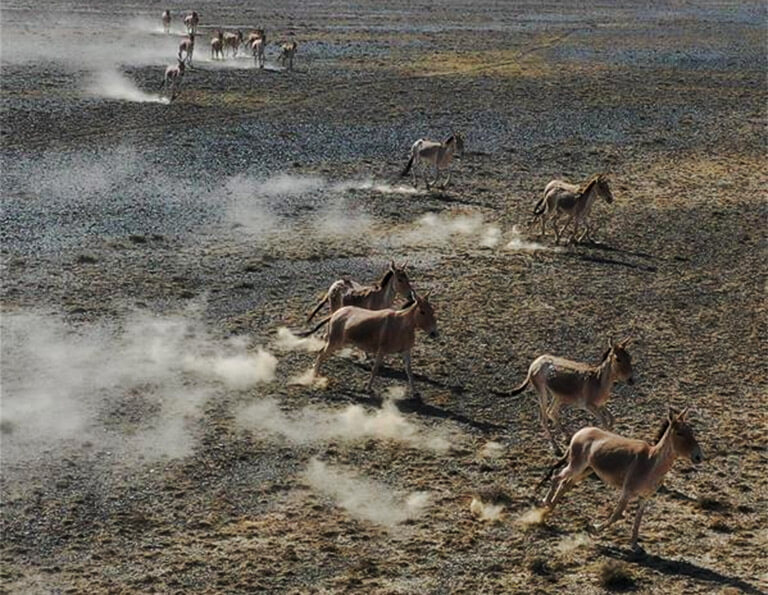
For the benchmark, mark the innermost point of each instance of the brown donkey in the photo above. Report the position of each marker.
(560, 382)
(380, 332)
(380, 295)
(633, 466)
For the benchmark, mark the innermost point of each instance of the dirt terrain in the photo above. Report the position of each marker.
(158, 435)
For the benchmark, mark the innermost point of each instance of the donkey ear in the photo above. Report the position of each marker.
(626, 341)
(682, 415)
(392, 265)
(426, 295)
(610, 343)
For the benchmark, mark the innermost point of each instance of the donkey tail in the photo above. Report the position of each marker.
(551, 469)
(408, 166)
(521, 388)
(540, 207)
(317, 308)
(323, 322)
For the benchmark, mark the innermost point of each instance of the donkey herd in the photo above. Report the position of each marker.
(365, 317)
(222, 43)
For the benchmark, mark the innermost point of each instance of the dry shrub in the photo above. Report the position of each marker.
(615, 576)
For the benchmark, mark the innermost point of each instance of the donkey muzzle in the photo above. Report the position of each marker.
(630, 380)
(433, 334)
(697, 456)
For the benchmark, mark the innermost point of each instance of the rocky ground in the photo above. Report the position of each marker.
(150, 251)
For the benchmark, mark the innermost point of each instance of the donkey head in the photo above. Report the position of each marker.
(425, 315)
(603, 189)
(400, 278)
(621, 361)
(458, 139)
(683, 441)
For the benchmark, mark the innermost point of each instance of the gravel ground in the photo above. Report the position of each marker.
(150, 253)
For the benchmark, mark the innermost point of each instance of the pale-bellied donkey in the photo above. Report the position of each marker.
(232, 42)
(257, 41)
(256, 34)
(438, 154)
(167, 21)
(191, 21)
(380, 295)
(575, 202)
(186, 49)
(633, 466)
(217, 46)
(378, 332)
(562, 382)
(172, 79)
(287, 53)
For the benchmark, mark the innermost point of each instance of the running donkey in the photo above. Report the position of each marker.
(380, 332)
(633, 466)
(576, 384)
(561, 198)
(438, 154)
(379, 295)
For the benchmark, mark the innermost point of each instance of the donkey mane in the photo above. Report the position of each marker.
(661, 431)
(587, 186)
(376, 286)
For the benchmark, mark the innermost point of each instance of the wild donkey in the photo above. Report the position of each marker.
(191, 21)
(287, 54)
(561, 198)
(380, 332)
(576, 384)
(186, 49)
(172, 79)
(438, 154)
(633, 466)
(380, 295)
(167, 21)
(232, 42)
(217, 46)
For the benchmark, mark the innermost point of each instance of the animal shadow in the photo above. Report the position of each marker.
(677, 568)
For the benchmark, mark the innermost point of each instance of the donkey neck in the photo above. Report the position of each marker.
(663, 454)
(387, 287)
(606, 375)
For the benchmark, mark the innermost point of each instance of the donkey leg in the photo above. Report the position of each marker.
(636, 526)
(556, 487)
(618, 512)
(409, 372)
(545, 419)
(375, 369)
(598, 412)
(324, 354)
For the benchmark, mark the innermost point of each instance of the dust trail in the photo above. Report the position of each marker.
(572, 542)
(110, 84)
(312, 424)
(436, 229)
(363, 498)
(287, 341)
(138, 388)
(374, 186)
(519, 244)
(486, 511)
(534, 516)
(339, 219)
(492, 450)
(308, 378)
